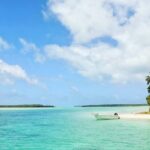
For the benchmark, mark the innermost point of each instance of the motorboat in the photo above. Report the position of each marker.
(98, 116)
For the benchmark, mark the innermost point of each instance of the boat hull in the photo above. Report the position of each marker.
(106, 117)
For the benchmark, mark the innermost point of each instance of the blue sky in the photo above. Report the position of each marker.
(65, 54)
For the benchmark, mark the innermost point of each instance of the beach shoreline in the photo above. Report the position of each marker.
(134, 116)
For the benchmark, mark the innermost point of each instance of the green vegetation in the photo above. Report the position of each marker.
(113, 105)
(25, 106)
(148, 89)
(145, 113)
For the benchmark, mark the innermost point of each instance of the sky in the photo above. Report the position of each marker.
(74, 52)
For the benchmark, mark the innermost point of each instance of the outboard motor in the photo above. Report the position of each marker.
(116, 114)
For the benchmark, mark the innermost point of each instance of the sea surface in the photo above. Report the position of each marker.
(72, 129)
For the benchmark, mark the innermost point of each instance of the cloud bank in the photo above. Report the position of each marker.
(10, 73)
(124, 22)
(4, 45)
(28, 47)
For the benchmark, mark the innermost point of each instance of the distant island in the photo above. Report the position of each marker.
(26, 106)
(112, 105)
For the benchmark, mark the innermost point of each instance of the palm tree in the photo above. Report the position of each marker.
(148, 89)
(148, 80)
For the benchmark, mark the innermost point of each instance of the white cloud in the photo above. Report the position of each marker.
(127, 22)
(28, 47)
(102, 61)
(88, 19)
(9, 73)
(4, 45)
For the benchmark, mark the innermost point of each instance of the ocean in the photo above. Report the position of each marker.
(72, 129)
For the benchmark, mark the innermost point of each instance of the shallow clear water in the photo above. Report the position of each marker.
(72, 129)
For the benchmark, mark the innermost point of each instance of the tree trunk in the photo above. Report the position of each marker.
(149, 109)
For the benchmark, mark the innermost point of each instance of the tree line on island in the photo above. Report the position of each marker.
(25, 106)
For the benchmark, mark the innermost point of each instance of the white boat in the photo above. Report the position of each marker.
(106, 117)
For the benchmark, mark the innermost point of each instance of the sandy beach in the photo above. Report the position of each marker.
(134, 116)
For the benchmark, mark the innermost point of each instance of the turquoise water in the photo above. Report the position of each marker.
(72, 129)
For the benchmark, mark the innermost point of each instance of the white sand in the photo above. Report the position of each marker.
(134, 116)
